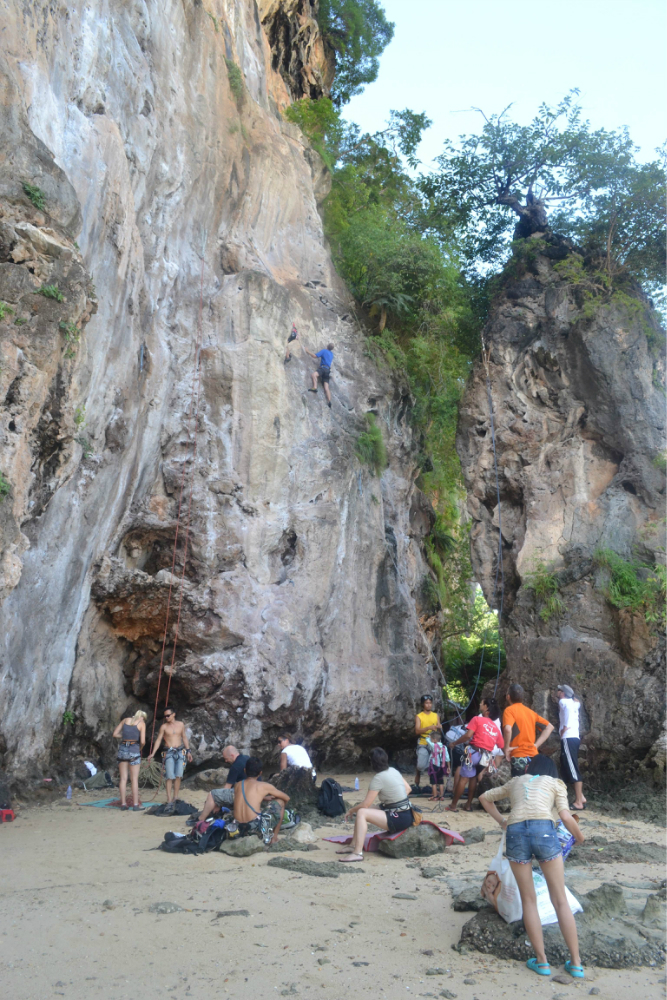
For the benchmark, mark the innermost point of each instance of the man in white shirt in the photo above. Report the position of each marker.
(291, 754)
(568, 712)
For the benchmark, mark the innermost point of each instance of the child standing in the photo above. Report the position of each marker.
(438, 768)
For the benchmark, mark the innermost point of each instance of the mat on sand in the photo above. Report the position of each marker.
(111, 803)
(373, 839)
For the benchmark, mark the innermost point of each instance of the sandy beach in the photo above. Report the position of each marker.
(78, 883)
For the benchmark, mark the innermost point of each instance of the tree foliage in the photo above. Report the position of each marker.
(358, 32)
(476, 654)
(501, 183)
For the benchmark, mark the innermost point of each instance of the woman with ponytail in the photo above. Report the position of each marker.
(132, 734)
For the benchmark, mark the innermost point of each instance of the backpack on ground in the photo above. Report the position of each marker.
(330, 800)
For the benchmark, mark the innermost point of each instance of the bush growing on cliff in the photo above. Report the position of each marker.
(544, 585)
(370, 448)
(36, 195)
(5, 487)
(634, 585)
(236, 84)
(358, 32)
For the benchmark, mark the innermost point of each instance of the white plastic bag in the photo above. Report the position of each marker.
(504, 894)
(545, 908)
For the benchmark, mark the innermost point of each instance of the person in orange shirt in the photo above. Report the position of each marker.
(519, 728)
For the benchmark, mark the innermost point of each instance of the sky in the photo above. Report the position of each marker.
(448, 56)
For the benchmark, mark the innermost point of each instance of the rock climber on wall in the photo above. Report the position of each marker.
(324, 371)
(292, 337)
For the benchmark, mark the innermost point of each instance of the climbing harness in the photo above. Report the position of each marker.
(193, 412)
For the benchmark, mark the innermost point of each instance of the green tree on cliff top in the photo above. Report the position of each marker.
(501, 183)
(358, 32)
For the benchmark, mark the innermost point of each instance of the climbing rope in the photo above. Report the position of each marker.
(192, 409)
(500, 570)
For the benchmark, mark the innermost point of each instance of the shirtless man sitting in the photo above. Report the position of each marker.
(177, 750)
(249, 793)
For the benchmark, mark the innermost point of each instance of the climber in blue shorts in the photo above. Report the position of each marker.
(323, 372)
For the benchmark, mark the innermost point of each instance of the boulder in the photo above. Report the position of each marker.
(470, 899)
(608, 937)
(303, 834)
(211, 778)
(417, 841)
(320, 869)
(242, 847)
(475, 835)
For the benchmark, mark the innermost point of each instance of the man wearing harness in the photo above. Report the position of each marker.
(177, 750)
(249, 793)
(324, 371)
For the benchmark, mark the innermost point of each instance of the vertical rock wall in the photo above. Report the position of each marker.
(168, 176)
(578, 395)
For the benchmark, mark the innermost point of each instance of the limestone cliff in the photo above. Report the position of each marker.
(145, 169)
(577, 380)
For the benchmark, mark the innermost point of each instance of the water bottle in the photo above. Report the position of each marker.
(356, 784)
(69, 791)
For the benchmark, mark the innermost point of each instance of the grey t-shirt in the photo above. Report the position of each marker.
(390, 785)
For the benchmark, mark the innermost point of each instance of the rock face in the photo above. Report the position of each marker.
(579, 428)
(177, 215)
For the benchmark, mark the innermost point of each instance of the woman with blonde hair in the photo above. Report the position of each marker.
(132, 734)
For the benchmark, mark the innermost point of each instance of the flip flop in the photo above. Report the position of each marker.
(541, 968)
(345, 852)
(433, 798)
(450, 809)
(578, 809)
(351, 857)
(576, 971)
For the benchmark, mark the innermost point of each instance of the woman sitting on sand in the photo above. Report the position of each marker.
(395, 812)
(132, 733)
(536, 798)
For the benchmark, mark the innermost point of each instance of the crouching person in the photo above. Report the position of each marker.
(249, 795)
(395, 812)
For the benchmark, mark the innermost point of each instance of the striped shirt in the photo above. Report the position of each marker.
(531, 797)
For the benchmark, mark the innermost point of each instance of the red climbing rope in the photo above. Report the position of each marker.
(194, 404)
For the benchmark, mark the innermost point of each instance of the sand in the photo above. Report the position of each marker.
(77, 884)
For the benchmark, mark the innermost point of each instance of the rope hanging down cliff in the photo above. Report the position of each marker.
(500, 571)
(193, 413)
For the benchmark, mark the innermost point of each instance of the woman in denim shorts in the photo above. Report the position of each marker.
(538, 798)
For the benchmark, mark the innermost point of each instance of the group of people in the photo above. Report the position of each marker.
(538, 798)
(474, 747)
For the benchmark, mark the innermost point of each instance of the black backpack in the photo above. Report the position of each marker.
(330, 800)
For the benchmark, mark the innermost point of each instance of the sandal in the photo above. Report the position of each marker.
(541, 968)
(576, 971)
(351, 857)
(345, 852)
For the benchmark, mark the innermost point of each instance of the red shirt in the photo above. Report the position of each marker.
(485, 732)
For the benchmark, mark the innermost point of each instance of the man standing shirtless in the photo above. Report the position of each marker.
(177, 750)
(249, 794)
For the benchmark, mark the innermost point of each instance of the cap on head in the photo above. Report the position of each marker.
(566, 689)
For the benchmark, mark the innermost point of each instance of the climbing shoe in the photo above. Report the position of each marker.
(287, 360)
(312, 390)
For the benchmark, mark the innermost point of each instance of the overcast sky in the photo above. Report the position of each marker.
(448, 56)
